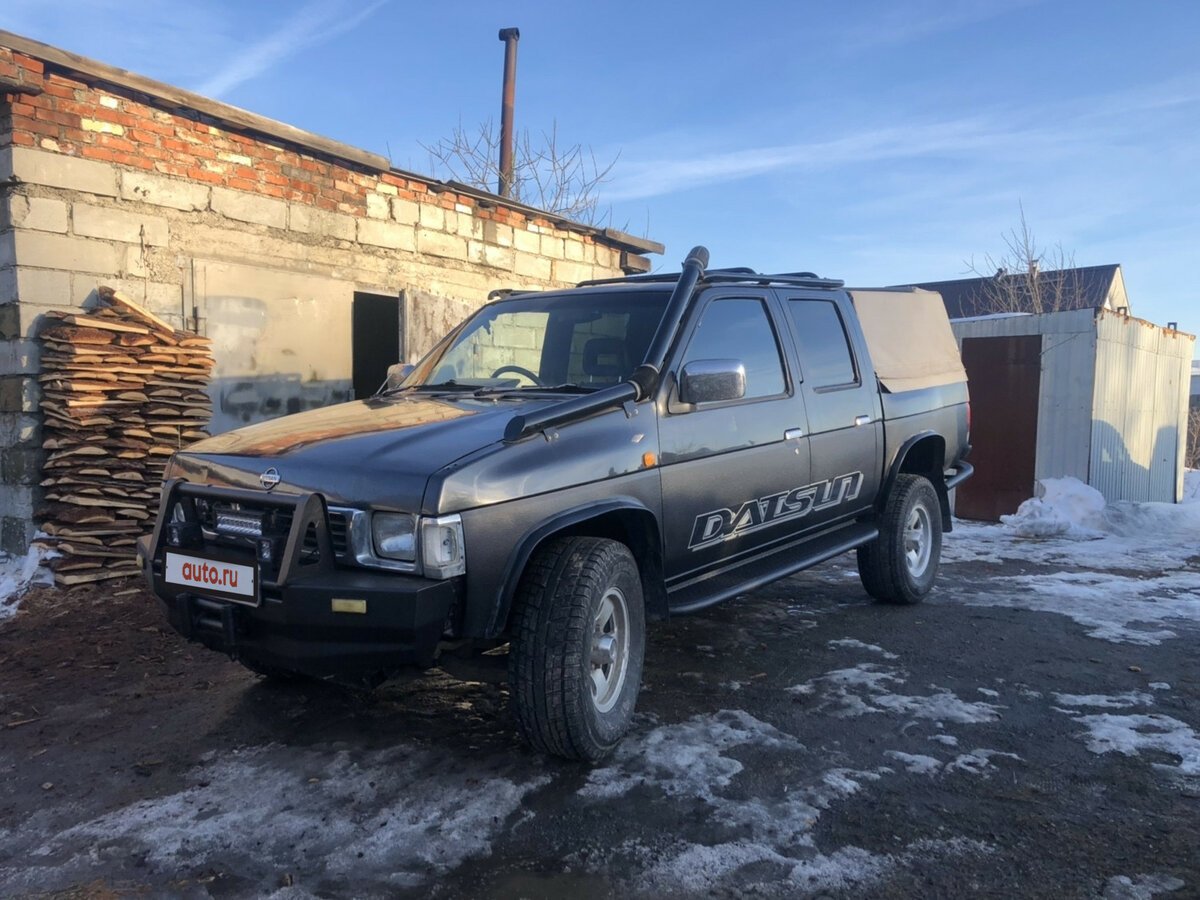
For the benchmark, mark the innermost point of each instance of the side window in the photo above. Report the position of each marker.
(825, 355)
(740, 329)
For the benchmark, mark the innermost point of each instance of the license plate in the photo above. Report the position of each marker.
(213, 577)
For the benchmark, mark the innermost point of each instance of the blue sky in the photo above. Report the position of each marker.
(879, 142)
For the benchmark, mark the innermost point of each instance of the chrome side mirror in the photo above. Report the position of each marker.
(712, 380)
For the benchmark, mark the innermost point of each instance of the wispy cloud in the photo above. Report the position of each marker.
(1040, 136)
(907, 22)
(314, 23)
(654, 177)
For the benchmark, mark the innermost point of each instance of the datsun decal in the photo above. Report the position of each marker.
(726, 524)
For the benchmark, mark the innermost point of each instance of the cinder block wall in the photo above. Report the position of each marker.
(103, 185)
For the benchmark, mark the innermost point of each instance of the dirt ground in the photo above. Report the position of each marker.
(799, 741)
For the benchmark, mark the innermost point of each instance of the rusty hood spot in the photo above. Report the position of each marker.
(346, 420)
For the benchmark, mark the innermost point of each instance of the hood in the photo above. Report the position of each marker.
(377, 452)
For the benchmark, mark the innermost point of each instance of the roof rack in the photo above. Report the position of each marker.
(740, 274)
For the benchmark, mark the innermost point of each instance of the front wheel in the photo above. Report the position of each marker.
(901, 564)
(578, 639)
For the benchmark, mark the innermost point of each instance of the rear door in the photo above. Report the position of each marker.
(840, 393)
(728, 467)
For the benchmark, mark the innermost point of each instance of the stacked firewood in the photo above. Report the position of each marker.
(121, 391)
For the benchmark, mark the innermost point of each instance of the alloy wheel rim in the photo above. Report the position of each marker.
(918, 540)
(609, 657)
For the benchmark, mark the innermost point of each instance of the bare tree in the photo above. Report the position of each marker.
(1026, 277)
(564, 180)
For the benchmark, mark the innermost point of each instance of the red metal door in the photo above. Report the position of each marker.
(1005, 375)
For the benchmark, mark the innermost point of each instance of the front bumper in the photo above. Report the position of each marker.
(326, 621)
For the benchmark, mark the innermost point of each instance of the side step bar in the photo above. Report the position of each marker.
(771, 566)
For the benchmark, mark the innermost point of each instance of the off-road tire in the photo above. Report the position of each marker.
(565, 586)
(883, 564)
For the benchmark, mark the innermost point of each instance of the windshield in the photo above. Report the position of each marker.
(588, 339)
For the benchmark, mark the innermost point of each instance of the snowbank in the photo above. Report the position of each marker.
(1064, 507)
(1068, 508)
(19, 573)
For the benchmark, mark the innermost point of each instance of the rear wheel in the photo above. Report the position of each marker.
(901, 564)
(578, 639)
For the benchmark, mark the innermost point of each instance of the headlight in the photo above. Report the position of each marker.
(442, 548)
(394, 536)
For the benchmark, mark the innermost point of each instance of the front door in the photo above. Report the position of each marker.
(728, 467)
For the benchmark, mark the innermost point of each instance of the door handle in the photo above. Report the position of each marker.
(862, 420)
(793, 434)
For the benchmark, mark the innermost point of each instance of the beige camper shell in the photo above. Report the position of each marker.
(909, 336)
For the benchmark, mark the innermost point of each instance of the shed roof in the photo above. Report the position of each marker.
(1085, 287)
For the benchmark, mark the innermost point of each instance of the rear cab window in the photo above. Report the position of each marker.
(826, 360)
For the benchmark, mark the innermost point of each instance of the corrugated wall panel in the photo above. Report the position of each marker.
(1163, 468)
(1065, 404)
(1136, 430)
(1109, 452)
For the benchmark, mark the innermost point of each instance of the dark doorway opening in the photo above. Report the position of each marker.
(1004, 375)
(375, 340)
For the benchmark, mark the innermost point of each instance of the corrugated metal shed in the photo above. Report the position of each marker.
(1112, 405)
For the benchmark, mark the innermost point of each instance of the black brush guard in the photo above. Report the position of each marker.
(296, 625)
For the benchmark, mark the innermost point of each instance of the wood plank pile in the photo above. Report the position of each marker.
(121, 391)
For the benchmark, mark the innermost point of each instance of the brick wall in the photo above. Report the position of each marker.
(239, 174)
(102, 184)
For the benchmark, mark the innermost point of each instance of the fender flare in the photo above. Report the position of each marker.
(937, 478)
(525, 546)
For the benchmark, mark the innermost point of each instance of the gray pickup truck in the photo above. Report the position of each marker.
(565, 466)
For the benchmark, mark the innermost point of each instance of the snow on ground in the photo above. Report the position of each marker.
(1130, 572)
(1139, 887)
(977, 762)
(398, 811)
(859, 645)
(767, 846)
(1105, 701)
(1071, 525)
(19, 573)
(702, 760)
(1117, 608)
(1131, 735)
(1135, 733)
(864, 689)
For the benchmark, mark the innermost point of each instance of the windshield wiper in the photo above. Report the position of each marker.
(500, 387)
(469, 385)
(568, 387)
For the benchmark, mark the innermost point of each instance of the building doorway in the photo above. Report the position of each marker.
(1004, 375)
(375, 340)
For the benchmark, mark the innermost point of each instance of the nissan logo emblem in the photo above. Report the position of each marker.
(269, 478)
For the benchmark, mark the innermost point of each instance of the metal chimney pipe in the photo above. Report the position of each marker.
(510, 36)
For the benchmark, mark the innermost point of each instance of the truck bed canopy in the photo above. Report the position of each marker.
(909, 336)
